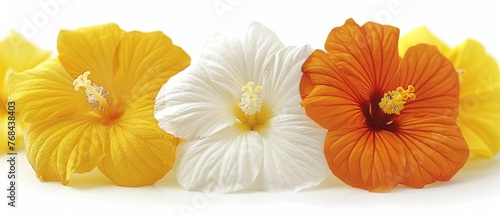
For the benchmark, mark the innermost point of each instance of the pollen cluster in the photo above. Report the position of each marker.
(394, 101)
(251, 102)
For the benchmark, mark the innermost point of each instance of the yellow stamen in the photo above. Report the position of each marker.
(95, 94)
(393, 101)
(251, 102)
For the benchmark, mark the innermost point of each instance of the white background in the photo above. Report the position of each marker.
(475, 188)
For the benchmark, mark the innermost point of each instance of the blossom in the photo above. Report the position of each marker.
(93, 106)
(478, 116)
(238, 111)
(16, 54)
(390, 121)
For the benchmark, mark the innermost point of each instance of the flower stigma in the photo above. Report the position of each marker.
(251, 102)
(394, 101)
(95, 94)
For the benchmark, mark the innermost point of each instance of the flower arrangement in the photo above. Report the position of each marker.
(375, 109)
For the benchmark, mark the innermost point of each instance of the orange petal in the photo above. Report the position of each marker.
(92, 49)
(371, 160)
(368, 55)
(434, 147)
(435, 81)
(329, 98)
(143, 62)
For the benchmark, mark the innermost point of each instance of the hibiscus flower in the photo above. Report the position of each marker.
(93, 106)
(16, 54)
(478, 116)
(390, 121)
(238, 110)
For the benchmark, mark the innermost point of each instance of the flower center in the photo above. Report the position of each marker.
(95, 94)
(251, 112)
(250, 99)
(394, 101)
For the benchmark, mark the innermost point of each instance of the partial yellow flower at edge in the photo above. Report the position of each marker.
(16, 54)
(93, 106)
(478, 116)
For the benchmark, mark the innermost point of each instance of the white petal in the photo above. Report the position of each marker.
(190, 106)
(233, 60)
(227, 161)
(282, 78)
(293, 154)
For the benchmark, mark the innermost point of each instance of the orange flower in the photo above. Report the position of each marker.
(391, 121)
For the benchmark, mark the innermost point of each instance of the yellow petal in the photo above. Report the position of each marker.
(481, 70)
(92, 49)
(46, 92)
(58, 148)
(143, 63)
(17, 54)
(479, 92)
(140, 153)
(3, 87)
(421, 35)
(20, 54)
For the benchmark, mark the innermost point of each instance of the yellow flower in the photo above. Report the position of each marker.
(93, 106)
(16, 54)
(479, 89)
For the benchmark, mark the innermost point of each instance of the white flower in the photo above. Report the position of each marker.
(238, 110)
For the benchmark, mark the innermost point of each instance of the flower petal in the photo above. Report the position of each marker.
(191, 107)
(233, 60)
(479, 92)
(143, 63)
(421, 35)
(478, 134)
(435, 81)
(293, 153)
(19, 54)
(434, 147)
(90, 49)
(360, 157)
(368, 55)
(58, 99)
(329, 97)
(139, 152)
(226, 161)
(58, 148)
(281, 80)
